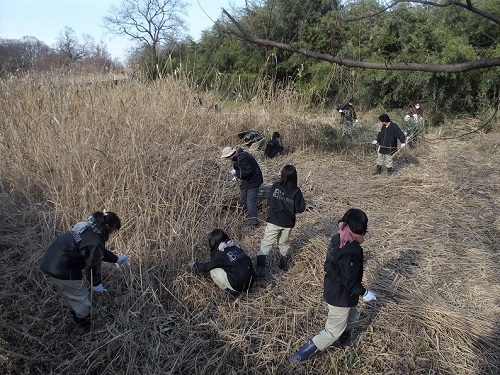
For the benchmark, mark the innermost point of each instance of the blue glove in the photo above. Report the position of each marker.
(99, 289)
(123, 259)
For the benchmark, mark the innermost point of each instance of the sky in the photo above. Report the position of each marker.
(46, 19)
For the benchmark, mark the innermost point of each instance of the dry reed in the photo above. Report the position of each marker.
(146, 152)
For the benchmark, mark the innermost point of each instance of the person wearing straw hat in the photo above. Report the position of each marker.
(342, 286)
(77, 253)
(230, 268)
(387, 139)
(285, 201)
(247, 170)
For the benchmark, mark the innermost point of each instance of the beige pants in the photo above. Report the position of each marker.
(275, 233)
(219, 276)
(339, 319)
(383, 159)
(76, 295)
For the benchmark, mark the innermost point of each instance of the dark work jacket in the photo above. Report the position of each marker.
(238, 267)
(67, 259)
(284, 204)
(273, 148)
(388, 137)
(348, 113)
(247, 170)
(344, 272)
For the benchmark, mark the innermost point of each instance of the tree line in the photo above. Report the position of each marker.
(443, 54)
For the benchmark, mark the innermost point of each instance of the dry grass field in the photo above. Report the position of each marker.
(146, 152)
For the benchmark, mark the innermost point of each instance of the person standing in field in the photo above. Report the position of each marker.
(274, 147)
(77, 253)
(285, 201)
(347, 113)
(342, 286)
(387, 139)
(247, 170)
(230, 268)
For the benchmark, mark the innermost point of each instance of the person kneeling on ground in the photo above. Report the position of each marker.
(78, 252)
(273, 147)
(230, 268)
(252, 139)
(285, 201)
(342, 285)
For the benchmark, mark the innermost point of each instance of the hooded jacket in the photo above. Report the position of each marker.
(75, 254)
(238, 267)
(284, 203)
(344, 272)
(247, 170)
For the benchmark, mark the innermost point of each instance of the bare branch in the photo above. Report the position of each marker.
(435, 68)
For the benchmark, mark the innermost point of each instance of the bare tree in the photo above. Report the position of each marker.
(151, 23)
(447, 68)
(68, 44)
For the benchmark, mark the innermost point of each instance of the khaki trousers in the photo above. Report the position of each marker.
(219, 276)
(384, 159)
(274, 233)
(339, 319)
(76, 295)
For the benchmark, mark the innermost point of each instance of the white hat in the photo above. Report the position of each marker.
(227, 152)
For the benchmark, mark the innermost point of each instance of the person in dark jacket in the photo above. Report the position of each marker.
(347, 113)
(78, 253)
(252, 139)
(285, 201)
(230, 268)
(342, 285)
(387, 139)
(273, 147)
(247, 170)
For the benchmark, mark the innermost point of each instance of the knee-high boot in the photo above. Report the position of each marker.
(261, 265)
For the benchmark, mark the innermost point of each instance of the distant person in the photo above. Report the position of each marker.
(252, 139)
(230, 268)
(247, 170)
(342, 286)
(347, 113)
(416, 112)
(285, 201)
(79, 253)
(387, 139)
(412, 120)
(274, 147)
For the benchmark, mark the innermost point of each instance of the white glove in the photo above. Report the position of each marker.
(191, 264)
(403, 145)
(407, 117)
(374, 142)
(369, 296)
(99, 289)
(340, 111)
(234, 179)
(356, 120)
(123, 259)
(233, 172)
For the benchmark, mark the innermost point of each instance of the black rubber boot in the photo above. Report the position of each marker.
(378, 170)
(346, 340)
(389, 170)
(231, 294)
(86, 323)
(261, 266)
(283, 265)
(305, 352)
